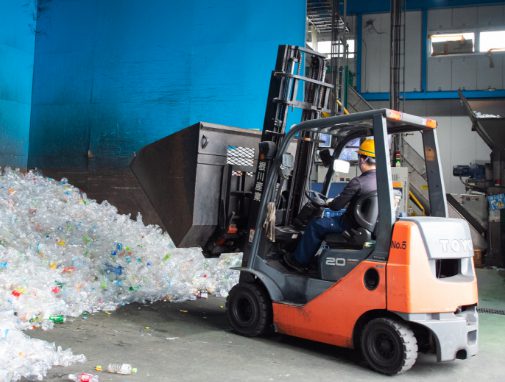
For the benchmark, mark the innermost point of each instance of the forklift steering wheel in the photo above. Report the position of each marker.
(316, 198)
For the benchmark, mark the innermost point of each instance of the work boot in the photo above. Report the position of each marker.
(291, 262)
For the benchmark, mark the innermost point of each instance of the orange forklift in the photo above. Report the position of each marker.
(393, 286)
(389, 288)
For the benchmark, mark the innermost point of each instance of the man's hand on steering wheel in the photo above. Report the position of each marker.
(316, 198)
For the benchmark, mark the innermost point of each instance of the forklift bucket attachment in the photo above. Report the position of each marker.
(195, 178)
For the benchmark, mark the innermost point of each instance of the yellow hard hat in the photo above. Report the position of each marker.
(367, 148)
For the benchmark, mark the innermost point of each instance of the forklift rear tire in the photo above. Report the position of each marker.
(249, 310)
(389, 346)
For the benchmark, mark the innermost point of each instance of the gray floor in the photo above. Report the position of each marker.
(192, 342)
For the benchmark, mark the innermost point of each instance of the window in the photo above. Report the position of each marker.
(350, 151)
(444, 44)
(492, 41)
(452, 43)
(324, 47)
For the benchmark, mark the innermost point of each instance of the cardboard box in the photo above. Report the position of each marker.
(477, 258)
(452, 47)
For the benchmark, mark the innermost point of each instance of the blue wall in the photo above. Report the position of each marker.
(112, 76)
(17, 41)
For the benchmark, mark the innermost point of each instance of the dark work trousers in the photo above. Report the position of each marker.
(313, 237)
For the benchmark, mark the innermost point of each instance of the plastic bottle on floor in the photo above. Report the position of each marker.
(83, 377)
(121, 368)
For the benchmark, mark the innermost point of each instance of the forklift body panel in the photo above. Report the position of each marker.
(331, 316)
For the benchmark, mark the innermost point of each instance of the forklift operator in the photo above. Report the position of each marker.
(315, 232)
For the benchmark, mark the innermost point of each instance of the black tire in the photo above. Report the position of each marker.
(249, 310)
(389, 346)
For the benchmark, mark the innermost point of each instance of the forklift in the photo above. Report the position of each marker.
(392, 287)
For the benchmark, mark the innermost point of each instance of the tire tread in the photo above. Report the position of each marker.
(408, 340)
(264, 326)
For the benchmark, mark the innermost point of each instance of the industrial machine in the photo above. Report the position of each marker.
(485, 182)
(392, 287)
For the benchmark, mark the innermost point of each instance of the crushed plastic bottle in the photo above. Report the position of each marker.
(62, 254)
(121, 368)
(83, 377)
(478, 114)
(57, 318)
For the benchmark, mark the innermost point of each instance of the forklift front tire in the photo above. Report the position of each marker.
(389, 346)
(249, 310)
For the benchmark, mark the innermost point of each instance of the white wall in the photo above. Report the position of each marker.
(375, 53)
(376, 48)
(413, 51)
(458, 144)
(470, 72)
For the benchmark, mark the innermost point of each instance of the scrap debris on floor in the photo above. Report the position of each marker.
(63, 255)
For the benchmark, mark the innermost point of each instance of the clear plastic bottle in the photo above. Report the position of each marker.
(121, 368)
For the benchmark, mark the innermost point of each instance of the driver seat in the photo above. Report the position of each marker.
(365, 214)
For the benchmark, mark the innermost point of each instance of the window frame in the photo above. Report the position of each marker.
(477, 36)
(474, 42)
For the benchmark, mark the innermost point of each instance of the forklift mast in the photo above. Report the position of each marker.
(282, 95)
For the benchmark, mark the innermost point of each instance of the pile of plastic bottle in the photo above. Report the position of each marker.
(62, 255)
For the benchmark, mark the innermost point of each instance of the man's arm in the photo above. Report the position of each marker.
(352, 188)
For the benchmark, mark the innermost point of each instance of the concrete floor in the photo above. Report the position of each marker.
(191, 341)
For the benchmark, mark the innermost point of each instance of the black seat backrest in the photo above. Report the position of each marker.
(366, 211)
(350, 247)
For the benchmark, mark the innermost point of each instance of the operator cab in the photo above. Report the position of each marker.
(334, 166)
(302, 198)
(301, 173)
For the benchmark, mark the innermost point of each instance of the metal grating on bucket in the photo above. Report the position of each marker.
(241, 156)
(491, 311)
(240, 173)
